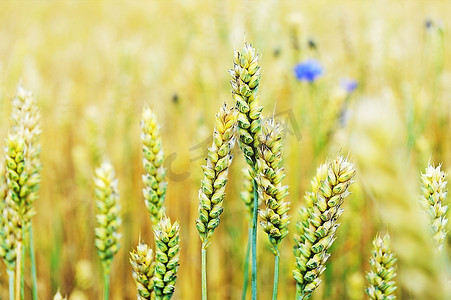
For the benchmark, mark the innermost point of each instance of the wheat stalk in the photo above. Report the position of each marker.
(319, 223)
(244, 82)
(153, 156)
(433, 199)
(382, 272)
(108, 218)
(247, 196)
(167, 256)
(143, 267)
(275, 218)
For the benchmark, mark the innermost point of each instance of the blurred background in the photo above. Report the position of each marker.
(384, 98)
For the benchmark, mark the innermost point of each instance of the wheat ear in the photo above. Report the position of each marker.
(319, 223)
(143, 268)
(275, 218)
(244, 82)
(212, 191)
(382, 272)
(433, 199)
(167, 256)
(17, 177)
(213, 185)
(25, 118)
(9, 223)
(108, 219)
(153, 156)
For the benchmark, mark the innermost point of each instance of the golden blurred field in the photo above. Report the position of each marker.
(93, 65)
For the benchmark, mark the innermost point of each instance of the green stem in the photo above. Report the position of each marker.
(204, 272)
(33, 265)
(106, 286)
(18, 270)
(246, 265)
(298, 292)
(11, 284)
(254, 244)
(276, 275)
(22, 268)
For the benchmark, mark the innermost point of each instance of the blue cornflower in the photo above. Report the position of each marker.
(308, 70)
(349, 85)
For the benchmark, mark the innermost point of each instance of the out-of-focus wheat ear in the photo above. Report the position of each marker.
(247, 195)
(143, 267)
(9, 235)
(382, 272)
(108, 218)
(433, 200)
(167, 256)
(25, 118)
(153, 156)
(17, 178)
(213, 185)
(21, 209)
(9, 224)
(316, 231)
(107, 214)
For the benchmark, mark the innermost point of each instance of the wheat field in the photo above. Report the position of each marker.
(382, 99)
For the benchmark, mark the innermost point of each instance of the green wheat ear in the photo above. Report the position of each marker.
(316, 231)
(167, 256)
(17, 179)
(433, 199)
(108, 218)
(143, 268)
(154, 177)
(245, 80)
(382, 272)
(9, 223)
(213, 185)
(26, 117)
